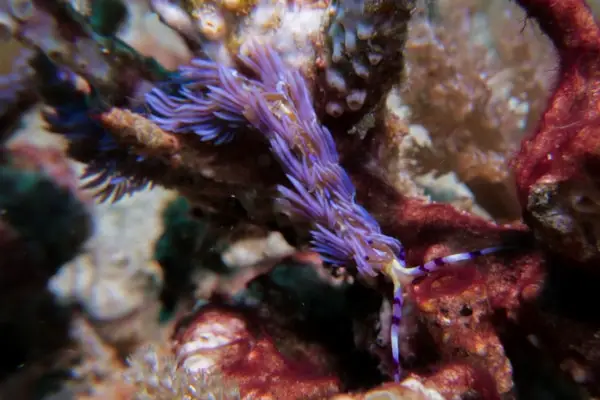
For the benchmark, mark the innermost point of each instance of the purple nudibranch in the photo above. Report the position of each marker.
(214, 101)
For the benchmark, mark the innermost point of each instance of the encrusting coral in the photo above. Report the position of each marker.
(250, 134)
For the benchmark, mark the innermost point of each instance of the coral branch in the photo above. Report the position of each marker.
(135, 130)
(568, 23)
(557, 167)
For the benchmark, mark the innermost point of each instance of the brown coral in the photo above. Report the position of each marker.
(475, 103)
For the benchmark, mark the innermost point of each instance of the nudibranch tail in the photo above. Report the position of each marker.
(436, 263)
(397, 304)
(402, 275)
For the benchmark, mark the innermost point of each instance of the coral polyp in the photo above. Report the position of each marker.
(363, 56)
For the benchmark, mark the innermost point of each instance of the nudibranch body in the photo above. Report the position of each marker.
(212, 99)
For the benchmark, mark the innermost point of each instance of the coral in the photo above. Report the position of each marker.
(115, 280)
(157, 376)
(556, 166)
(250, 251)
(362, 57)
(230, 27)
(460, 381)
(98, 360)
(475, 102)
(463, 317)
(429, 231)
(225, 340)
(292, 29)
(411, 389)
